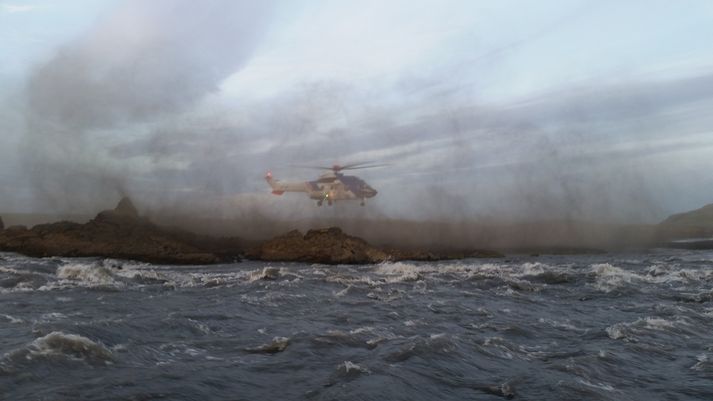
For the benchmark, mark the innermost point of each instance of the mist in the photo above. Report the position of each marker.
(142, 62)
(485, 115)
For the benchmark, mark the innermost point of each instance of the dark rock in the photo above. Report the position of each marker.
(126, 208)
(693, 224)
(118, 233)
(2, 225)
(332, 246)
(328, 246)
(278, 344)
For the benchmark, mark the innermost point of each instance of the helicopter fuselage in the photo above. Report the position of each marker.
(329, 187)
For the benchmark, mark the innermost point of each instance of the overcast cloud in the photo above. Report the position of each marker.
(589, 110)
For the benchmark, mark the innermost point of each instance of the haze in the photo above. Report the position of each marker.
(589, 110)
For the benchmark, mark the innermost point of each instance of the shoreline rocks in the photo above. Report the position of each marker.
(120, 233)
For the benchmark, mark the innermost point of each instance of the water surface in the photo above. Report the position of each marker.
(633, 326)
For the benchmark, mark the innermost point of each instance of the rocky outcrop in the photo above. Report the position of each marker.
(2, 225)
(694, 224)
(120, 233)
(328, 246)
(702, 217)
(126, 208)
(123, 234)
(332, 246)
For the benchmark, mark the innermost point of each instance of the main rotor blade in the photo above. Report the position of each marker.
(312, 167)
(337, 167)
(368, 166)
(360, 164)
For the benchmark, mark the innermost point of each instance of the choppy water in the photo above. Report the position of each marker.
(606, 327)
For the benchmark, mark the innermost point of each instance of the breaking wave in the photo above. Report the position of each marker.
(58, 347)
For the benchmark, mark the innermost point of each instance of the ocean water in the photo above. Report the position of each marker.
(626, 326)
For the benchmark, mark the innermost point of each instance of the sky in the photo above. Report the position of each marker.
(596, 110)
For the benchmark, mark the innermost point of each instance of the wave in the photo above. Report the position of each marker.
(11, 319)
(433, 346)
(90, 275)
(703, 364)
(60, 347)
(609, 277)
(633, 330)
(349, 368)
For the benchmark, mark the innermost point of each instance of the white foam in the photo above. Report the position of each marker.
(400, 272)
(533, 269)
(600, 386)
(349, 366)
(703, 363)
(9, 270)
(343, 292)
(88, 275)
(609, 277)
(12, 319)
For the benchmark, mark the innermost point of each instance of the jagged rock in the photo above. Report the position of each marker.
(124, 213)
(121, 234)
(126, 207)
(2, 225)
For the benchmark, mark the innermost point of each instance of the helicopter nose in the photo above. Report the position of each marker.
(370, 192)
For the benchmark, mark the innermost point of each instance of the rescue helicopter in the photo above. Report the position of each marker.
(331, 186)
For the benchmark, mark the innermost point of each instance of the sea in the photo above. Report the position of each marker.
(618, 326)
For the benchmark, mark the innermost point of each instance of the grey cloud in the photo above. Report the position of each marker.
(566, 153)
(570, 154)
(145, 61)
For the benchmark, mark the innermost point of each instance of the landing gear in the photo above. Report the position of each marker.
(329, 202)
(363, 202)
(319, 203)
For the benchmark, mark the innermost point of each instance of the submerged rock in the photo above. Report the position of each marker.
(267, 274)
(278, 344)
(120, 233)
(503, 390)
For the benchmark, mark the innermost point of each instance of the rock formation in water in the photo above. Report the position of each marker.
(328, 246)
(120, 233)
(332, 246)
(123, 234)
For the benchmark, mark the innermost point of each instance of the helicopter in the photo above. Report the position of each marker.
(331, 186)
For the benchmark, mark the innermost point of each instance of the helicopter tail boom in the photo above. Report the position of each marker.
(279, 187)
